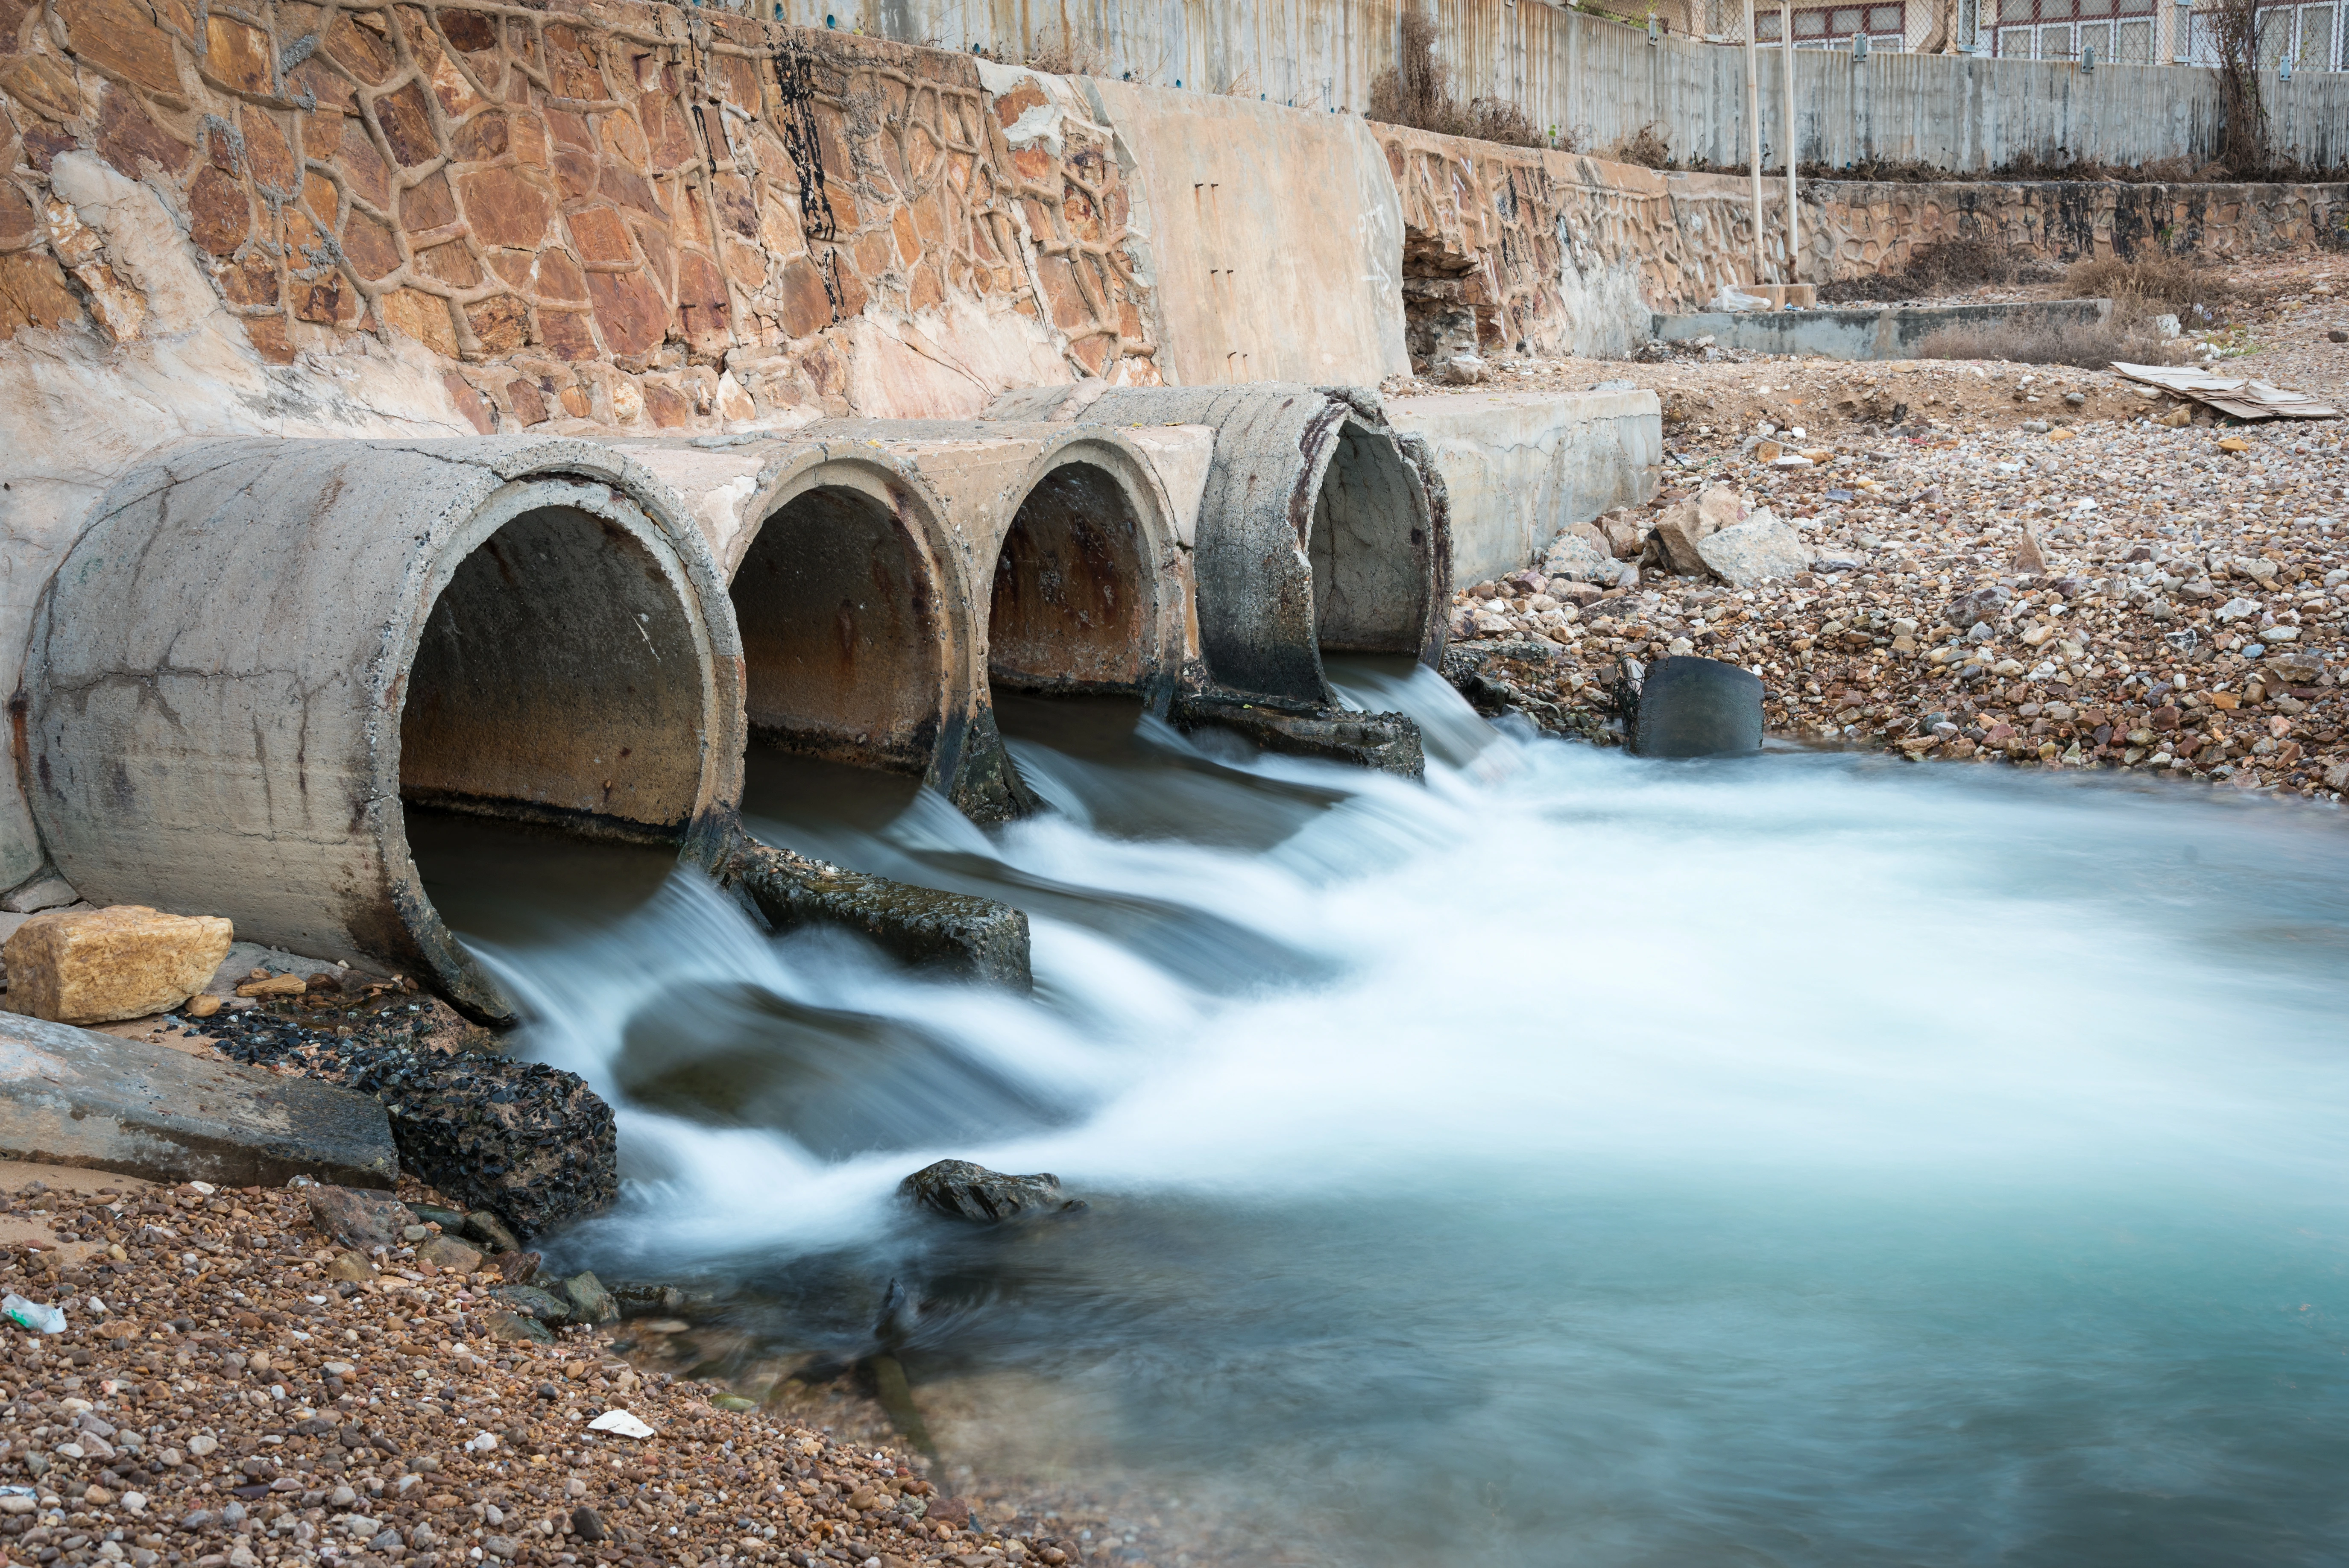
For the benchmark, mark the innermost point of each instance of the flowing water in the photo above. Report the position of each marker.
(1813, 1159)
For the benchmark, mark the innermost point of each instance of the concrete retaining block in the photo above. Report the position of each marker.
(1520, 466)
(72, 1097)
(1867, 332)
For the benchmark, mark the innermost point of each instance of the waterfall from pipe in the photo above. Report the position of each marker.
(1812, 1158)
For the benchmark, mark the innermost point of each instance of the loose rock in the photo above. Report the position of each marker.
(93, 966)
(962, 1190)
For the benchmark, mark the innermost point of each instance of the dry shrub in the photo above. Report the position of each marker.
(2153, 285)
(2091, 345)
(1940, 266)
(1416, 91)
(1645, 147)
(1059, 57)
(1966, 261)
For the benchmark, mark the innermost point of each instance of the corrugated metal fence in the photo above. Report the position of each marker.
(1594, 82)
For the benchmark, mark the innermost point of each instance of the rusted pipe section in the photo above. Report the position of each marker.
(1316, 527)
(885, 574)
(260, 649)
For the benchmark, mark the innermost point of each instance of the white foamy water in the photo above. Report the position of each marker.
(1808, 1159)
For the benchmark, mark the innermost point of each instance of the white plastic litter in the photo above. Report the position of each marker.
(32, 1315)
(619, 1423)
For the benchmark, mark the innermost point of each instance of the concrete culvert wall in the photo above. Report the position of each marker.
(1065, 610)
(1315, 528)
(258, 646)
(1371, 580)
(840, 610)
(546, 684)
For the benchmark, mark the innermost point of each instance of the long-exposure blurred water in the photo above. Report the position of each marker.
(1815, 1159)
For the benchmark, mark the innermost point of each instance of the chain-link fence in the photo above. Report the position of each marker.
(2110, 32)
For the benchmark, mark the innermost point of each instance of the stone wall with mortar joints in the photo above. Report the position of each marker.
(630, 214)
(1550, 249)
(1560, 253)
(1856, 228)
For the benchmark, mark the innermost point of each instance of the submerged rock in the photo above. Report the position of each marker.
(962, 1190)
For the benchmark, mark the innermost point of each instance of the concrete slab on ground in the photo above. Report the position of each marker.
(1522, 465)
(1867, 332)
(74, 1097)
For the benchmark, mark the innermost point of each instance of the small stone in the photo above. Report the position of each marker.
(350, 1266)
(203, 1445)
(202, 1005)
(590, 1302)
(361, 1220)
(587, 1524)
(515, 1325)
(274, 986)
(2029, 559)
(96, 965)
(484, 1226)
(448, 1253)
(2233, 444)
(962, 1190)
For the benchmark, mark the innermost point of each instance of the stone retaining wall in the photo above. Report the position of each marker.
(606, 214)
(1553, 253)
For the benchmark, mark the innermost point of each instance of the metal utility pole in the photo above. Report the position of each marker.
(1794, 219)
(1753, 126)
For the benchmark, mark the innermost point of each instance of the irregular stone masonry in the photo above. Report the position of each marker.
(1540, 245)
(603, 213)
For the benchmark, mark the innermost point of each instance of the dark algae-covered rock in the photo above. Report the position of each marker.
(962, 1190)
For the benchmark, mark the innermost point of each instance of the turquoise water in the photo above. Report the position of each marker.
(1578, 1159)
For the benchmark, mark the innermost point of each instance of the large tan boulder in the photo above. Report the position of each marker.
(1684, 527)
(95, 966)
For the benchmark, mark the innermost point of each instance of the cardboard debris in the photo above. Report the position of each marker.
(2238, 395)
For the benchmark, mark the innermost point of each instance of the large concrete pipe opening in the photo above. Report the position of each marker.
(262, 652)
(1368, 548)
(1067, 612)
(1316, 526)
(840, 620)
(557, 681)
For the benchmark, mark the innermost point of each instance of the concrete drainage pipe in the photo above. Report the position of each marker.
(261, 648)
(1316, 530)
(854, 548)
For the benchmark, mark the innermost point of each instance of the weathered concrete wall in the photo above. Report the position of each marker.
(1268, 238)
(1866, 331)
(1558, 253)
(1520, 466)
(1600, 81)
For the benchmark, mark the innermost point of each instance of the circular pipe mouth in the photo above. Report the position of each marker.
(1369, 548)
(562, 673)
(1085, 594)
(850, 617)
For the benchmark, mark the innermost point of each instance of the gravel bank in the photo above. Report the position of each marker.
(247, 1396)
(2025, 565)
